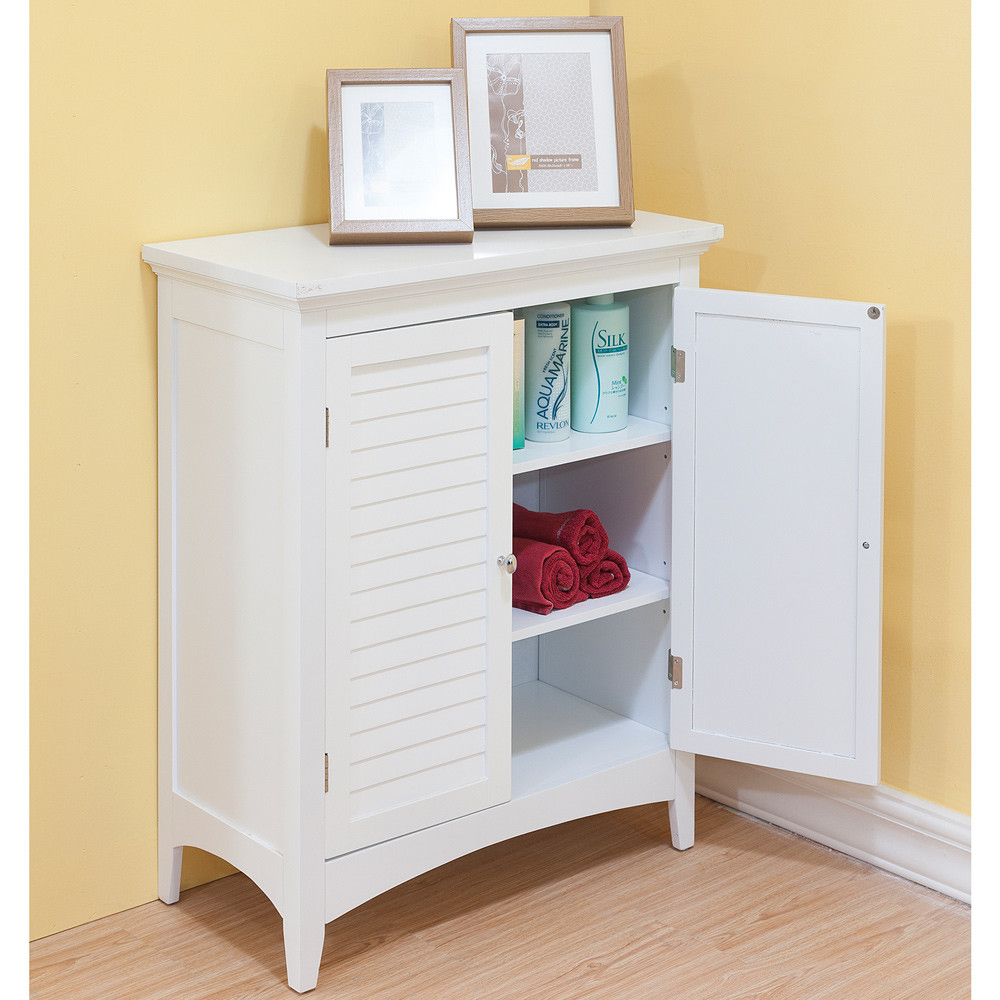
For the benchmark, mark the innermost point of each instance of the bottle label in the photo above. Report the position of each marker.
(611, 390)
(609, 343)
(552, 403)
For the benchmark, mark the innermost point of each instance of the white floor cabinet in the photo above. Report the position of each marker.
(346, 698)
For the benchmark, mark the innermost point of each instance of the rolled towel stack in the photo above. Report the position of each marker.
(606, 576)
(547, 541)
(579, 532)
(547, 578)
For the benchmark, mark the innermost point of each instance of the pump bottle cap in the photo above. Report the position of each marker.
(601, 300)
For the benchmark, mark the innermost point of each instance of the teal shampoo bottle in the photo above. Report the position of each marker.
(546, 372)
(599, 370)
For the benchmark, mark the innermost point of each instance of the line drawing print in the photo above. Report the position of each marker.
(506, 106)
(373, 150)
(542, 122)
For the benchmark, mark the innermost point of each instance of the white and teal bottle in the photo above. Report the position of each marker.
(599, 372)
(546, 372)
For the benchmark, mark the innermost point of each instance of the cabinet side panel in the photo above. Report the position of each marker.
(228, 438)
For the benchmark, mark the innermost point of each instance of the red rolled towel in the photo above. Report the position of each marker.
(608, 576)
(546, 577)
(579, 532)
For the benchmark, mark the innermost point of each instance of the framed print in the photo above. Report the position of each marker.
(399, 156)
(548, 120)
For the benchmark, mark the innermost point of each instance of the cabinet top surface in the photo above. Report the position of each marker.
(298, 263)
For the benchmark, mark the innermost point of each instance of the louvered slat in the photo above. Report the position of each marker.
(461, 443)
(411, 676)
(413, 788)
(412, 621)
(422, 507)
(413, 760)
(415, 426)
(417, 648)
(408, 732)
(373, 376)
(413, 565)
(411, 593)
(421, 396)
(410, 704)
(409, 482)
(421, 537)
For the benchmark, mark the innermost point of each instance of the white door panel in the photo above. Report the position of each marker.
(777, 452)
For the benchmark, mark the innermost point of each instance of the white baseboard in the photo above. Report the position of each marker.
(907, 836)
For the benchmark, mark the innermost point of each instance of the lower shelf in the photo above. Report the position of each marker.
(642, 589)
(558, 738)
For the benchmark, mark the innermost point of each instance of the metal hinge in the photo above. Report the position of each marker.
(676, 364)
(328, 427)
(675, 670)
(326, 772)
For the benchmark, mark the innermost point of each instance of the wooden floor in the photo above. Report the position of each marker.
(600, 909)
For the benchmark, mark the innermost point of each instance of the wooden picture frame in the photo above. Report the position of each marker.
(399, 156)
(537, 82)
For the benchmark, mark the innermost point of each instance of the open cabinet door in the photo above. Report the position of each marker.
(777, 531)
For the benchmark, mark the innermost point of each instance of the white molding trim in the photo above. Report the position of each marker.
(907, 836)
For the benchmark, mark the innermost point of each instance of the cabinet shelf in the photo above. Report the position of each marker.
(558, 738)
(642, 589)
(577, 447)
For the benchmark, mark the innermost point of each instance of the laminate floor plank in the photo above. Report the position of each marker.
(658, 963)
(103, 962)
(602, 909)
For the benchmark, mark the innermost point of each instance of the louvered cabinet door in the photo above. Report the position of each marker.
(418, 608)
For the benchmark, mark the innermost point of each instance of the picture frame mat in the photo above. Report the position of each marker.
(597, 45)
(437, 201)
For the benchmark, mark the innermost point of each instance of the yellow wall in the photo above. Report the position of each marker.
(832, 141)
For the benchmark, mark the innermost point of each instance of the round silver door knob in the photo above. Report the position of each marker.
(508, 563)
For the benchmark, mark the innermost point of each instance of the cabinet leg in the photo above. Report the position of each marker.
(681, 808)
(169, 873)
(303, 954)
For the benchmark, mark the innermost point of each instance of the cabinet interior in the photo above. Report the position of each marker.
(590, 682)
